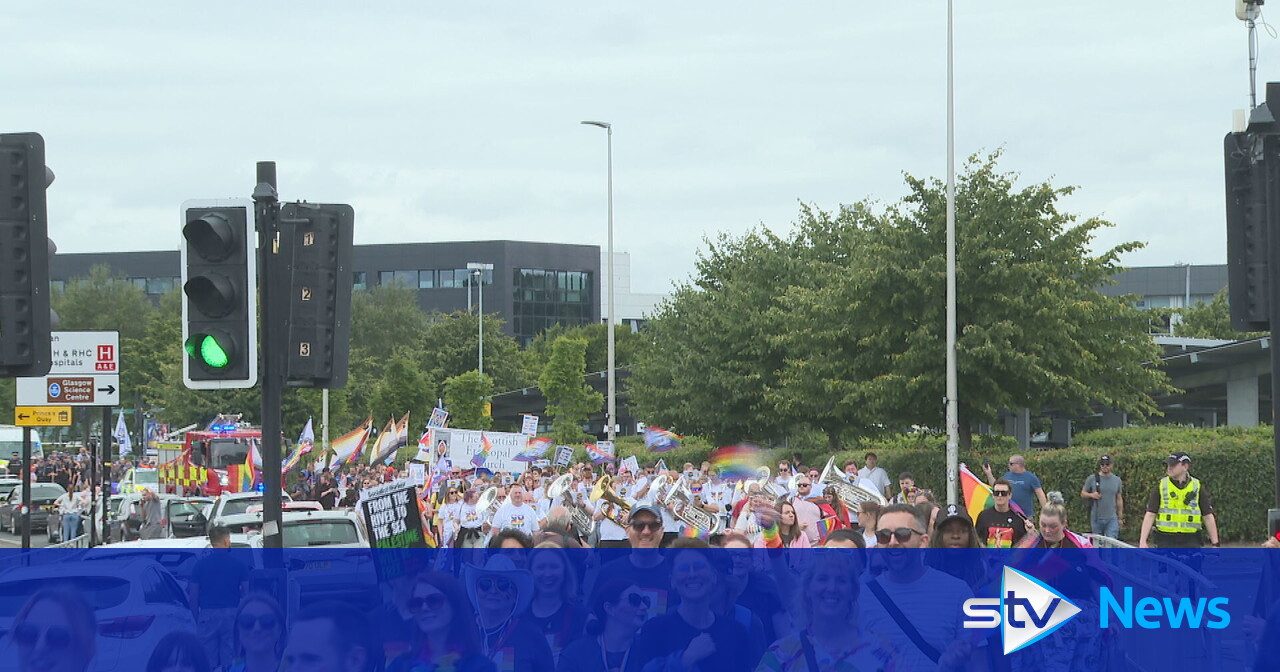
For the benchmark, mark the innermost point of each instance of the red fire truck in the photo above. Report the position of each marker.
(211, 459)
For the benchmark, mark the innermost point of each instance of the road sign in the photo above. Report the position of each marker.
(85, 372)
(42, 416)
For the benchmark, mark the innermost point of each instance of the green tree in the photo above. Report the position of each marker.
(465, 395)
(450, 348)
(625, 344)
(570, 401)
(403, 388)
(1210, 320)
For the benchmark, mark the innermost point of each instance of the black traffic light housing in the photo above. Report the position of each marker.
(1247, 232)
(220, 295)
(25, 249)
(318, 240)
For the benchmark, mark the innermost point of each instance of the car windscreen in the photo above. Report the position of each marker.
(145, 476)
(101, 592)
(6, 488)
(320, 533)
(177, 561)
(181, 512)
(235, 507)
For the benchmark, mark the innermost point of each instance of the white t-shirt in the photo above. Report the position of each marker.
(609, 530)
(469, 517)
(512, 517)
(808, 512)
(878, 476)
(934, 604)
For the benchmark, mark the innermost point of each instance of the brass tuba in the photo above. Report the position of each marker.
(604, 490)
(560, 489)
(680, 503)
(852, 495)
(487, 505)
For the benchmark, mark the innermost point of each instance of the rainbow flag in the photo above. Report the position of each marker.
(737, 463)
(246, 472)
(693, 532)
(347, 448)
(385, 446)
(977, 495)
(599, 454)
(825, 526)
(534, 450)
(486, 447)
(306, 441)
(660, 440)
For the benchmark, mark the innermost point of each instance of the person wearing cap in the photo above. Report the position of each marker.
(1103, 492)
(501, 592)
(1179, 508)
(954, 530)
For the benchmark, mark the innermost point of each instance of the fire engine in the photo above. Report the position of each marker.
(212, 457)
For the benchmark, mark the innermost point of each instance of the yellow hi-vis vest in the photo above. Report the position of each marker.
(1179, 507)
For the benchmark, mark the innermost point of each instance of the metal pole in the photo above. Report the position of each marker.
(104, 447)
(324, 426)
(95, 483)
(612, 411)
(480, 318)
(271, 355)
(953, 409)
(26, 488)
(1187, 302)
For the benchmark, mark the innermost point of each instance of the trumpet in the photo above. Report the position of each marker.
(852, 495)
(604, 490)
(559, 489)
(681, 505)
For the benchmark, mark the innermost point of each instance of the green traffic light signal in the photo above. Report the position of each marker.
(211, 352)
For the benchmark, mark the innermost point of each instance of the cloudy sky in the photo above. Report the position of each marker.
(459, 121)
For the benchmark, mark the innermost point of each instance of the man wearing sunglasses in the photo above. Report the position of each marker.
(1000, 526)
(933, 599)
(644, 565)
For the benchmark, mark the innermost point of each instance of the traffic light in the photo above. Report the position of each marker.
(25, 346)
(220, 295)
(318, 241)
(1247, 239)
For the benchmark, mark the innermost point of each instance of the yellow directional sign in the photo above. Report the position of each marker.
(42, 416)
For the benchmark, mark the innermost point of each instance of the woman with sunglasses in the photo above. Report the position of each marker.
(55, 631)
(258, 638)
(618, 610)
(555, 610)
(829, 635)
(693, 637)
(444, 636)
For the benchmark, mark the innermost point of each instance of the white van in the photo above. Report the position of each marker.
(11, 443)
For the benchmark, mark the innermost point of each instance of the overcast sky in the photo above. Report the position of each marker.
(459, 121)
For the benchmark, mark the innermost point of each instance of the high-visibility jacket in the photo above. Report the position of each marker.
(1179, 507)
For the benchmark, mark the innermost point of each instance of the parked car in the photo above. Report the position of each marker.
(136, 604)
(138, 479)
(178, 556)
(42, 498)
(8, 484)
(183, 516)
(327, 553)
(236, 503)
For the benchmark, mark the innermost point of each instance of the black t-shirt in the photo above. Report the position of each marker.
(653, 581)
(519, 648)
(670, 635)
(1000, 530)
(561, 627)
(219, 575)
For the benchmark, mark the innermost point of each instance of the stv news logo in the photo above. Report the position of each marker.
(1026, 611)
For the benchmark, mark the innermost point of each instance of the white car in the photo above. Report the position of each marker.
(234, 504)
(328, 554)
(136, 603)
(178, 556)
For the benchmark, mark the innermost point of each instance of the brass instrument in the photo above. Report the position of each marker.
(852, 495)
(561, 489)
(487, 505)
(681, 505)
(604, 490)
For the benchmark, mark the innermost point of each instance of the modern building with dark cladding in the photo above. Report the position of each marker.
(532, 285)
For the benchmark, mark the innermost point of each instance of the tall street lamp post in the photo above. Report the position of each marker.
(612, 407)
(478, 270)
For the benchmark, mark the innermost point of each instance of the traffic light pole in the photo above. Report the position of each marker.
(272, 357)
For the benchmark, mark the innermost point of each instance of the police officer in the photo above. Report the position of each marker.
(1178, 508)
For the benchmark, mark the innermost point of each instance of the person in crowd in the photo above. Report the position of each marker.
(54, 631)
(1053, 531)
(511, 539)
(788, 528)
(644, 564)
(1103, 491)
(259, 635)
(501, 593)
(152, 516)
(352, 496)
(516, 514)
(693, 637)
(1026, 486)
(450, 516)
(906, 489)
(70, 505)
(845, 538)
(1000, 526)
(445, 636)
(832, 509)
(874, 474)
(556, 610)
(618, 610)
(1179, 509)
(829, 635)
(934, 599)
(326, 491)
(470, 522)
(218, 580)
(750, 586)
(955, 531)
(179, 651)
(331, 637)
(807, 511)
(868, 512)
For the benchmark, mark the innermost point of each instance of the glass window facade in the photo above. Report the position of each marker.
(161, 285)
(385, 278)
(543, 298)
(426, 279)
(407, 279)
(360, 280)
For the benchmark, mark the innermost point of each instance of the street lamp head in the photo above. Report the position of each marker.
(601, 124)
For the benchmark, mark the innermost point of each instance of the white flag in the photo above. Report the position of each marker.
(122, 437)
